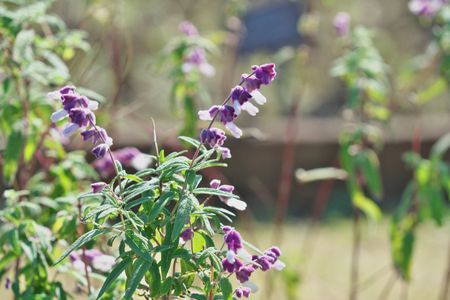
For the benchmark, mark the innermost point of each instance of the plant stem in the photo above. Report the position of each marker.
(355, 255)
(197, 151)
(83, 249)
(388, 287)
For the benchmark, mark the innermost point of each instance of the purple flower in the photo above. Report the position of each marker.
(251, 82)
(242, 292)
(95, 135)
(226, 115)
(275, 251)
(233, 240)
(226, 152)
(128, 157)
(188, 28)
(231, 267)
(264, 261)
(103, 263)
(266, 73)
(79, 109)
(244, 273)
(7, 283)
(100, 150)
(187, 234)
(341, 23)
(232, 202)
(426, 8)
(240, 98)
(97, 187)
(214, 137)
(93, 258)
(91, 254)
(81, 116)
(197, 60)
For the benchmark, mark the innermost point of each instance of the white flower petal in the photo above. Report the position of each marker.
(279, 265)
(231, 257)
(251, 285)
(93, 105)
(187, 67)
(238, 204)
(103, 263)
(141, 161)
(259, 98)
(207, 69)
(250, 108)
(244, 255)
(79, 266)
(237, 107)
(70, 129)
(58, 115)
(55, 95)
(204, 115)
(235, 131)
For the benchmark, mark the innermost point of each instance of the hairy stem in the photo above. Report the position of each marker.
(197, 151)
(83, 249)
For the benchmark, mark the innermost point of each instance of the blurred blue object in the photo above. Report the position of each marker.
(271, 27)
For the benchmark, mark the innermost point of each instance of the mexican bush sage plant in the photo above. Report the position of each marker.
(162, 218)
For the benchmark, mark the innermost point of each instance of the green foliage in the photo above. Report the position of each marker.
(363, 70)
(423, 199)
(187, 89)
(41, 179)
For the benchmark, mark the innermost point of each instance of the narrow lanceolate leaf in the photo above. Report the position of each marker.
(215, 192)
(366, 205)
(113, 275)
(189, 140)
(227, 289)
(140, 267)
(183, 212)
(98, 210)
(12, 155)
(137, 202)
(138, 247)
(87, 237)
(159, 205)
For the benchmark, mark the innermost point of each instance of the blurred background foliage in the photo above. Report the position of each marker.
(122, 60)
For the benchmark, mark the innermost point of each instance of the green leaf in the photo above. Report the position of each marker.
(154, 280)
(215, 192)
(181, 217)
(435, 89)
(7, 259)
(402, 245)
(133, 178)
(22, 51)
(113, 275)
(160, 204)
(440, 147)
(370, 167)
(195, 143)
(99, 209)
(12, 155)
(138, 248)
(137, 202)
(227, 289)
(366, 205)
(140, 267)
(85, 238)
